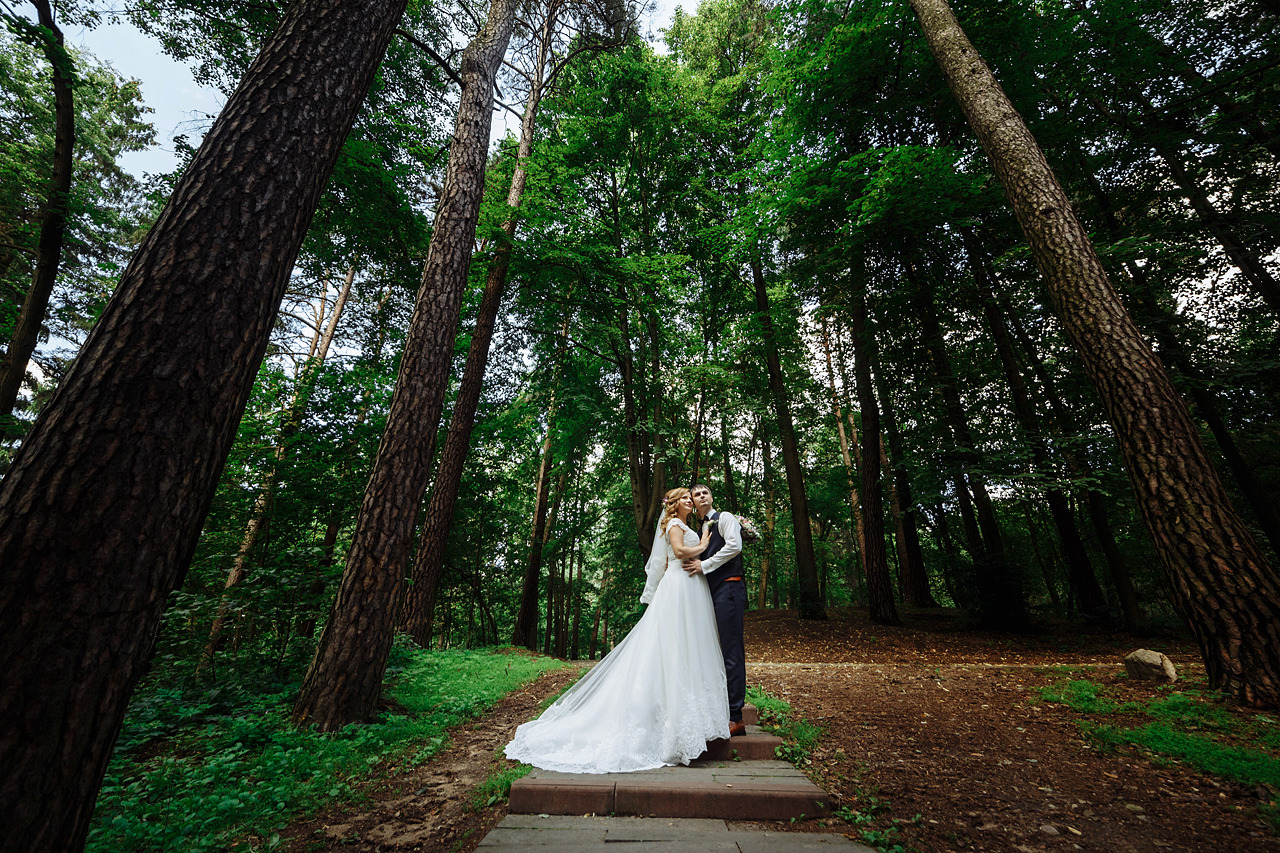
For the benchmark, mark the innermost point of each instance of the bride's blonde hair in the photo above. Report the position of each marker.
(671, 506)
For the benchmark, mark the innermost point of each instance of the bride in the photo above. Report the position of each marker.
(660, 695)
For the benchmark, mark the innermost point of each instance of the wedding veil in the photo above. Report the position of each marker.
(656, 565)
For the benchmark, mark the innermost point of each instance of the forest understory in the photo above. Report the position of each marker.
(933, 718)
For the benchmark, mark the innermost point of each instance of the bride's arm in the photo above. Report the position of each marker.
(682, 550)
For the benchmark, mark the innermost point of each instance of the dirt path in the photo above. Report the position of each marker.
(429, 808)
(929, 719)
(943, 725)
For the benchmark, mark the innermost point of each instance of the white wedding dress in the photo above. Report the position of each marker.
(655, 700)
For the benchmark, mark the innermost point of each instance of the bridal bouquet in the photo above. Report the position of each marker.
(750, 535)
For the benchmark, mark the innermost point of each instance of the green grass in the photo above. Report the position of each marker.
(799, 736)
(497, 787)
(194, 773)
(1194, 727)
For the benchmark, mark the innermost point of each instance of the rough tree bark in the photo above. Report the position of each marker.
(53, 221)
(344, 682)
(810, 598)
(1221, 583)
(101, 511)
(879, 585)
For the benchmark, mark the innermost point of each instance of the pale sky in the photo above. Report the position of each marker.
(183, 106)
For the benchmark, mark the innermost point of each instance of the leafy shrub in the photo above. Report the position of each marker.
(194, 772)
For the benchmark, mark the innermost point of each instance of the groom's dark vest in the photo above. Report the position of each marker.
(731, 569)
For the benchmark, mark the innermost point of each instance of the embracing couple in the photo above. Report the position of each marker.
(678, 679)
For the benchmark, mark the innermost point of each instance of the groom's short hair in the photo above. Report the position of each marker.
(697, 486)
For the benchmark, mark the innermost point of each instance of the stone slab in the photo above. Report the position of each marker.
(733, 790)
(671, 835)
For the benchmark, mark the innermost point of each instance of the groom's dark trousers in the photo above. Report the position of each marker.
(729, 596)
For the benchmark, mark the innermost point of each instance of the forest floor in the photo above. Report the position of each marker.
(931, 719)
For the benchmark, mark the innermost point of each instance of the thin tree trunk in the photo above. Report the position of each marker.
(526, 629)
(729, 487)
(1002, 600)
(1045, 571)
(53, 220)
(1092, 602)
(136, 436)
(915, 579)
(767, 562)
(879, 585)
(810, 603)
(307, 622)
(344, 681)
(260, 515)
(1246, 259)
(575, 602)
(1221, 583)
(595, 634)
(855, 505)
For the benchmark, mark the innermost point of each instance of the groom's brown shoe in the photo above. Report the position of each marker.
(736, 728)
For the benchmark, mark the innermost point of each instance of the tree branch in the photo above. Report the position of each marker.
(426, 48)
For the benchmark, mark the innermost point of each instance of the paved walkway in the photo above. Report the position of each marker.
(642, 835)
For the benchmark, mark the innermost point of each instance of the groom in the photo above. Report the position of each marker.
(722, 564)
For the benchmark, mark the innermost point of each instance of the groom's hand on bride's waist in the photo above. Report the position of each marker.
(693, 566)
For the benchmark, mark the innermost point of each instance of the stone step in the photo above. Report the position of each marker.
(750, 715)
(755, 745)
(707, 788)
(602, 834)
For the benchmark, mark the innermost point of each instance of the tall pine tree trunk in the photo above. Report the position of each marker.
(420, 599)
(810, 603)
(1221, 583)
(344, 682)
(102, 508)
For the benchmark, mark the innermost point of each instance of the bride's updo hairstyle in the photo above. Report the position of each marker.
(671, 507)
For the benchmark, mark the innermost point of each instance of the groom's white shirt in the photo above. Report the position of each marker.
(731, 531)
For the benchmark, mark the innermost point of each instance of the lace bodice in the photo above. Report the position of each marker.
(690, 539)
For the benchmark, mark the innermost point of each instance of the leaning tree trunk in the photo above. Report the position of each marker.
(344, 682)
(810, 603)
(102, 509)
(419, 603)
(1221, 583)
(879, 586)
(53, 220)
